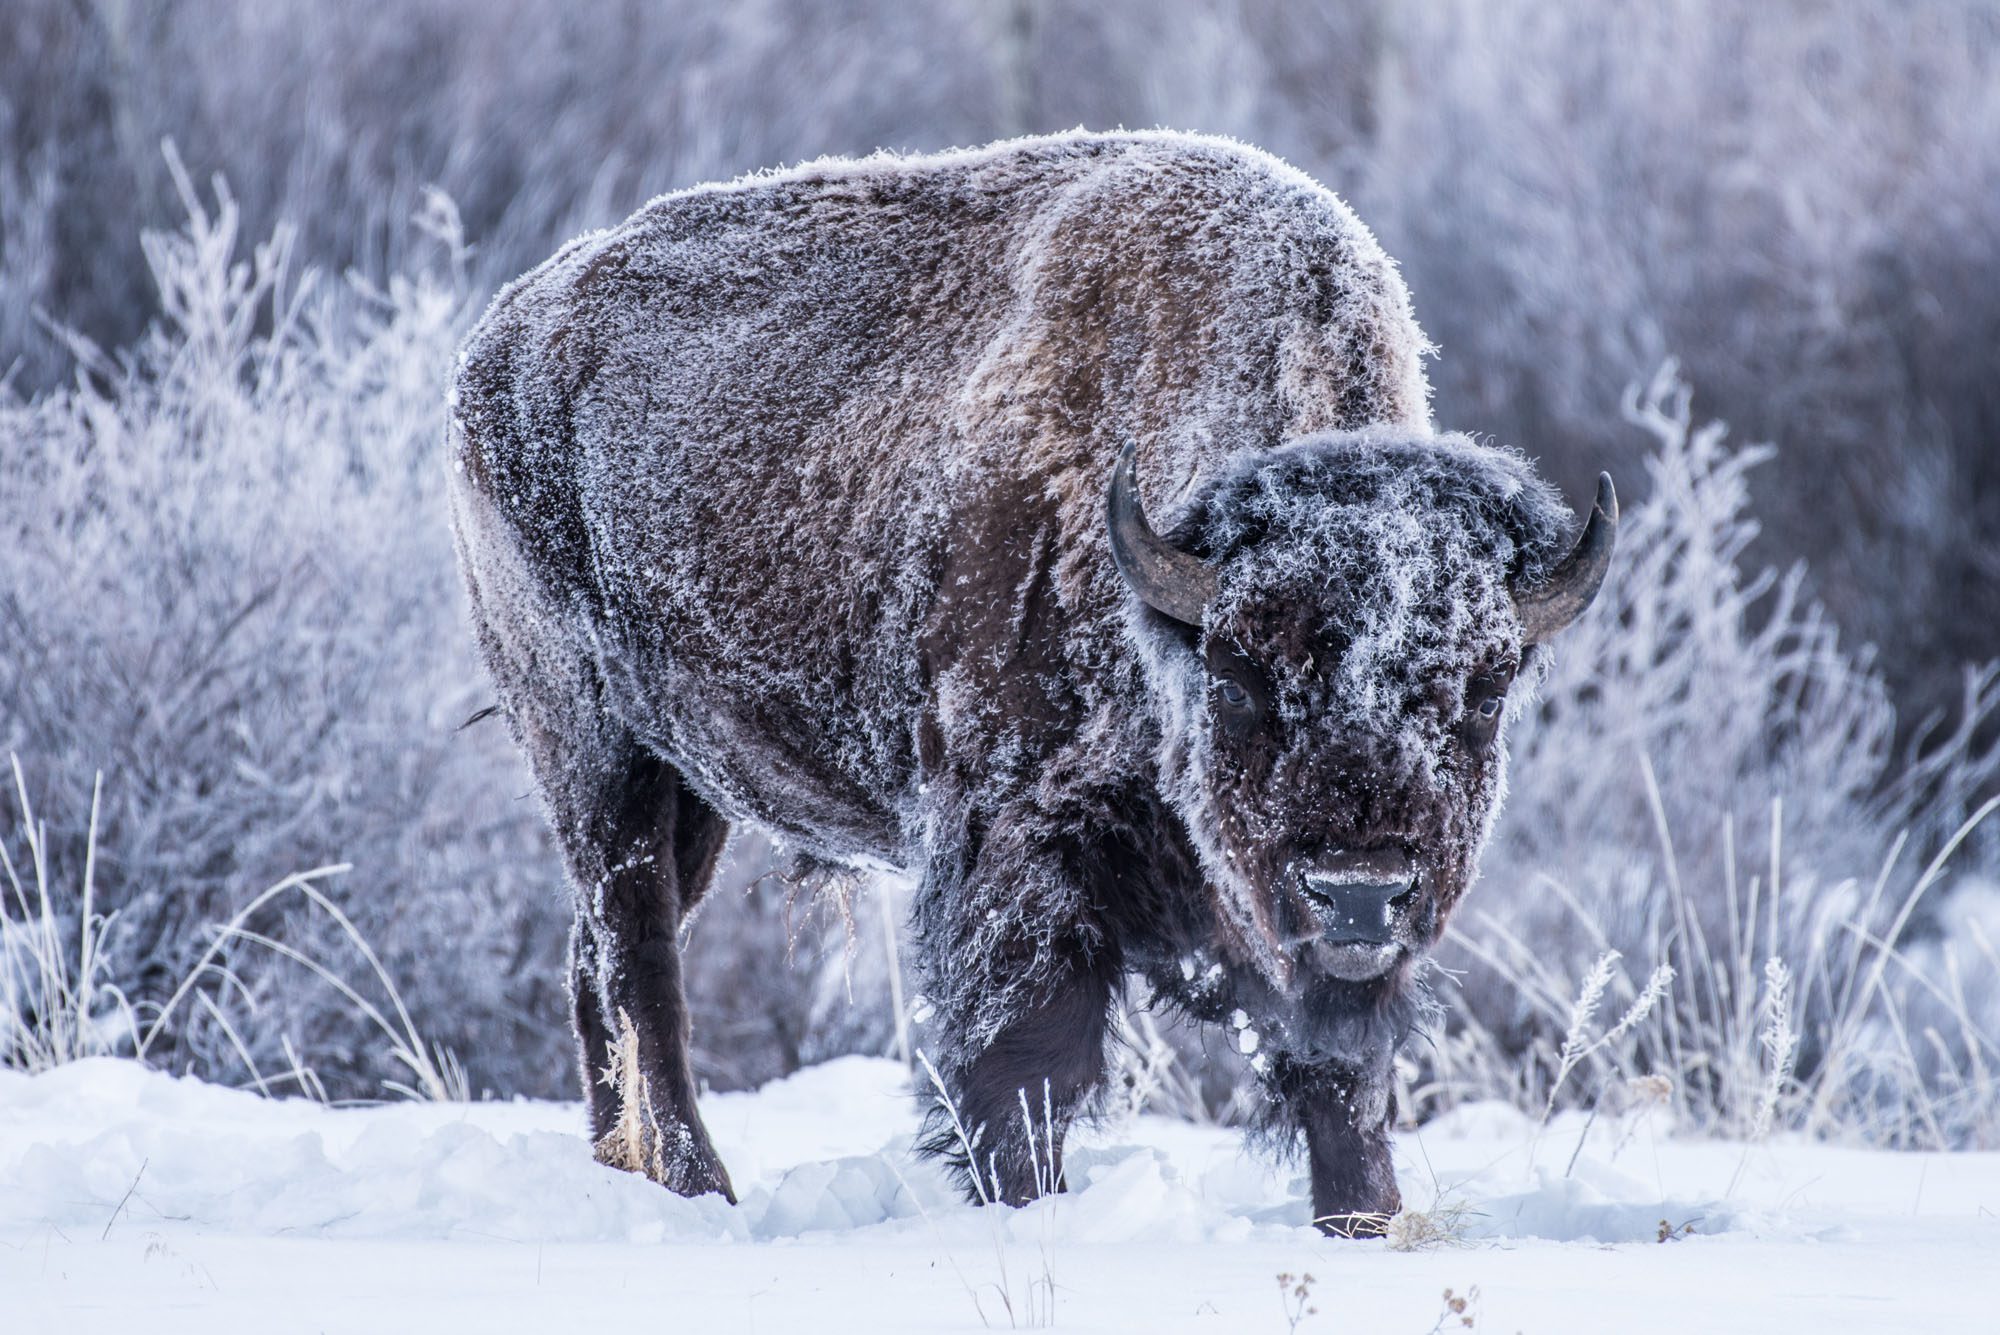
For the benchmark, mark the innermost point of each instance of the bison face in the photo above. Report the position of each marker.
(1335, 636)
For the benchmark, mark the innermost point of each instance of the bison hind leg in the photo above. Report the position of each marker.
(639, 1139)
(640, 860)
(640, 847)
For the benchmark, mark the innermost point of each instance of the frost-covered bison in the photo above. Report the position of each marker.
(1060, 522)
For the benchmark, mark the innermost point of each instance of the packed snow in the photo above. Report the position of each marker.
(129, 1197)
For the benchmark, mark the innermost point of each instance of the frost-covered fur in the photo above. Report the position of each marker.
(783, 503)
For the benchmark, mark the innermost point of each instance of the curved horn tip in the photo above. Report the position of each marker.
(1172, 582)
(1560, 599)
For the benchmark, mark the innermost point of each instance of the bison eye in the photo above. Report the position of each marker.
(1481, 722)
(1485, 701)
(1238, 697)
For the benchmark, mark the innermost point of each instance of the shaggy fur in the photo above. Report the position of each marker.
(783, 502)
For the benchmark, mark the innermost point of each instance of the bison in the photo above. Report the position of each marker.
(1061, 523)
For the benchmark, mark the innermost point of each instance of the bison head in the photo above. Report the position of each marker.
(1335, 635)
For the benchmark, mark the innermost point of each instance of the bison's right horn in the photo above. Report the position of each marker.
(1169, 580)
(1561, 598)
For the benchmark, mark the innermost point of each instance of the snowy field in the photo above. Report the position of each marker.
(133, 1200)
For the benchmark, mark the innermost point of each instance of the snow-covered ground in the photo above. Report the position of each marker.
(131, 1200)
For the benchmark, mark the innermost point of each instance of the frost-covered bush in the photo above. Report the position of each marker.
(538, 118)
(1793, 198)
(229, 586)
(1710, 781)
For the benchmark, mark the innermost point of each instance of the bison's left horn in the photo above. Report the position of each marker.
(1561, 598)
(1169, 580)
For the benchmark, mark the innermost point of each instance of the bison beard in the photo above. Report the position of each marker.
(799, 501)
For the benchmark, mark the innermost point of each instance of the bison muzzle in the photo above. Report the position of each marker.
(1061, 523)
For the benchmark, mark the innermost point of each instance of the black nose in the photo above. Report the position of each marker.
(1353, 911)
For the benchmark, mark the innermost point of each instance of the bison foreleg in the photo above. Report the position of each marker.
(1345, 1110)
(1013, 1099)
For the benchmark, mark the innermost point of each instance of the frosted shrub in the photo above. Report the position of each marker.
(1795, 197)
(230, 587)
(1709, 783)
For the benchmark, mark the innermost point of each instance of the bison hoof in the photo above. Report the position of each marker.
(677, 1160)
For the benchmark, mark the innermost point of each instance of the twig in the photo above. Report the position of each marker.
(124, 1200)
